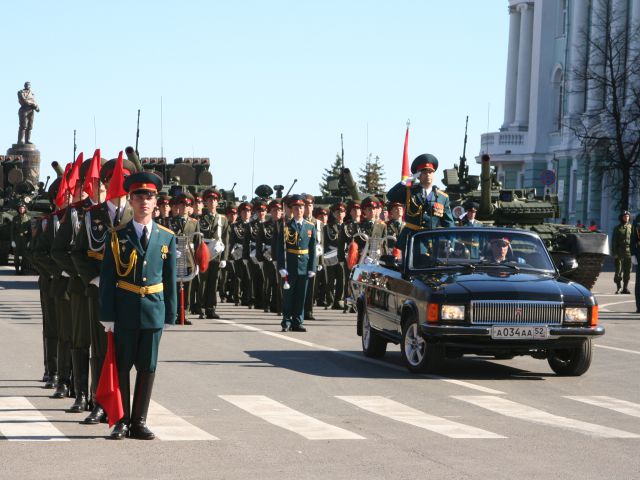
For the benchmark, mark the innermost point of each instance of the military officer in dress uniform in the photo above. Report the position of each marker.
(165, 209)
(333, 263)
(228, 273)
(267, 245)
(215, 229)
(20, 236)
(469, 219)
(309, 203)
(621, 242)
(395, 223)
(240, 245)
(256, 263)
(426, 207)
(296, 263)
(371, 225)
(88, 254)
(138, 298)
(183, 225)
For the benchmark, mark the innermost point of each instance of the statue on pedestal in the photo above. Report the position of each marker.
(28, 107)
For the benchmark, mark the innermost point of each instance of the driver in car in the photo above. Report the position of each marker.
(501, 251)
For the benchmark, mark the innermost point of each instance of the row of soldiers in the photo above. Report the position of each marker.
(244, 271)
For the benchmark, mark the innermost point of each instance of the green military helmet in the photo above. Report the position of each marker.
(424, 161)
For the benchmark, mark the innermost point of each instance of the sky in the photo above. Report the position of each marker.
(262, 88)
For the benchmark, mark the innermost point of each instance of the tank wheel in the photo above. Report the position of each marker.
(589, 268)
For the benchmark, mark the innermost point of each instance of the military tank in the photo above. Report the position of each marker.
(524, 208)
(342, 188)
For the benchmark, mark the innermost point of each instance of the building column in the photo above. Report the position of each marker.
(578, 56)
(524, 64)
(595, 88)
(512, 68)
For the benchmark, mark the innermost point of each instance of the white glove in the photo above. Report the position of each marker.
(311, 274)
(13, 244)
(95, 281)
(223, 263)
(283, 273)
(65, 274)
(178, 253)
(412, 179)
(319, 268)
(368, 260)
(108, 326)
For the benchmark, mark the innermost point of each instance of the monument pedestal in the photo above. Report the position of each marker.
(30, 160)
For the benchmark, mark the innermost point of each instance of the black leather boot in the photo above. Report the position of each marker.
(80, 360)
(64, 370)
(96, 416)
(141, 400)
(52, 361)
(53, 381)
(121, 429)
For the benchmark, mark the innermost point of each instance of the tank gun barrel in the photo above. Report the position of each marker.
(486, 208)
(133, 158)
(58, 169)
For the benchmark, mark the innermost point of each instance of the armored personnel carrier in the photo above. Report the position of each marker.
(524, 208)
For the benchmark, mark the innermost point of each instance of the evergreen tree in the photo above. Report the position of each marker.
(372, 176)
(334, 171)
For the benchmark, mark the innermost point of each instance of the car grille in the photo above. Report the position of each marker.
(515, 312)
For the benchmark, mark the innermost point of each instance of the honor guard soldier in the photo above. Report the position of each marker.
(240, 244)
(395, 223)
(111, 211)
(257, 257)
(231, 212)
(621, 242)
(469, 219)
(165, 209)
(137, 299)
(272, 296)
(20, 236)
(310, 298)
(198, 206)
(215, 229)
(370, 223)
(320, 215)
(426, 207)
(333, 263)
(296, 252)
(183, 225)
(353, 212)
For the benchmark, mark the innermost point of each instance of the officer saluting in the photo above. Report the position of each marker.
(426, 207)
(138, 298)
(296, 263)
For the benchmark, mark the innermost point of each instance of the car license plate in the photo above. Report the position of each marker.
(504, 332)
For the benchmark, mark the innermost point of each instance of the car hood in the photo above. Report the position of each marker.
(502, 285)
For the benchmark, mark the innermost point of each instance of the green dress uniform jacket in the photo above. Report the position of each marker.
(20, 234)
(137, 286)
(213, 226)
(621, 241)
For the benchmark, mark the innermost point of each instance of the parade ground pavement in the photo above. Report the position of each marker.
(236, 398)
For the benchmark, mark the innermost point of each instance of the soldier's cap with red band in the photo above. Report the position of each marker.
(231, 209)
(318, 211)
(423, 162)
(275, 204)
(245, 206)
(309, 199)
(338, 206)
(184, 198)
(371, 202)
(163, 198)
(142, 182)
(260, 205)
(353, 204)
(501, 240)
(390, 205)
(295, 199)
(211, 192)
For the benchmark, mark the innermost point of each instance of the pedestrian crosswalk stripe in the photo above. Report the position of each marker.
(524, 412)
(403, 413)
(617, 405)
(168, 426)
(21, 422)
(282, 416)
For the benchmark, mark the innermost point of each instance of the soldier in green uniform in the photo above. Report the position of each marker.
(87, 255)
(228, 272)
(239, 244)
(395, 223)
(267, 245)
(256, 261)
(165, 209)
(183, 225)
(371, 225)
(20, 236)
(334, 259)
(621, 242)
(296, 263)
(215, 229)
(426, 207)
(138, 298)
(310, 297)
(469, 219)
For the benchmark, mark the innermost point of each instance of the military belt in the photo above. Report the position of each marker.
(96, 255)
(140, 290)
(298, 252)
(411, 226)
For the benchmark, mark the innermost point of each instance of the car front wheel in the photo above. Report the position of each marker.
(571, 362)
(373, 345)
(418, 355)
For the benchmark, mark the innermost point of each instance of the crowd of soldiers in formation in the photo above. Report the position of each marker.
(245, 272)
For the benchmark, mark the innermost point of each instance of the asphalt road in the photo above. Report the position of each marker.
(236, 398)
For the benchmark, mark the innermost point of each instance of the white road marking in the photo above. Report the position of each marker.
(168, 426)
(605, 305)
(610, 403)
(403, 413)
(524, 412)
(359, 357)
(635, 352)
(20, 421)
(282, 416)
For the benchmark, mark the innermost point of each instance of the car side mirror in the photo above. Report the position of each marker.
(389, 261)
(567, 264)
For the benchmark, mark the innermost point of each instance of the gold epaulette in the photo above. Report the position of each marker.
(310, 223)
(168, 230)
(442, 192)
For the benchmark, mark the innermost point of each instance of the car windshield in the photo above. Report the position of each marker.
(474, 248)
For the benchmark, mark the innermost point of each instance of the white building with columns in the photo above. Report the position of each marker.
(542, 96)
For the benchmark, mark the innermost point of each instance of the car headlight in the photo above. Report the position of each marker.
(577, 315)
(452, 312)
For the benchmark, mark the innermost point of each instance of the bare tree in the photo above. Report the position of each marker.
(609, 130)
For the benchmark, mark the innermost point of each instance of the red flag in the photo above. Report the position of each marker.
(406, 172)
(108, 393)
(202, 257)
(92, 175)
(116, 185)
(63, 188)
(74, 176)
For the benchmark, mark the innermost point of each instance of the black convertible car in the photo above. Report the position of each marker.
(483, 291)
